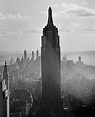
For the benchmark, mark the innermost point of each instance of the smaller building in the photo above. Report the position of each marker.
(79, 63)
(64, 60)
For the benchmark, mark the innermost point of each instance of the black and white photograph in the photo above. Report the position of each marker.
(47, 58)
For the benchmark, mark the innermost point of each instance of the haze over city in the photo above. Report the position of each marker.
(21, 23)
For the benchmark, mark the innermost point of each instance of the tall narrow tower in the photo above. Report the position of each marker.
(5, 81)
(50, 64)
(37, 54)
(5, 75)
(32, 55)
(25, 54)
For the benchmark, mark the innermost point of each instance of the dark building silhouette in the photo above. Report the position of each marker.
(79, 59)
(37, 54)
(32, 55)
(50, 64)
(25, 54)
(5, 76)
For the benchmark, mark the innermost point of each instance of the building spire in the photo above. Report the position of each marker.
(50, 20)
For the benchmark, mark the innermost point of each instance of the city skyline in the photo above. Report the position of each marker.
(20, 28)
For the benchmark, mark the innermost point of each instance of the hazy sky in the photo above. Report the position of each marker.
(22, 21)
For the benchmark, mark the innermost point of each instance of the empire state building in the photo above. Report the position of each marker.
(50, 64)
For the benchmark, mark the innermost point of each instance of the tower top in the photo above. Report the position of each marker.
(50, 20)
(25, 50)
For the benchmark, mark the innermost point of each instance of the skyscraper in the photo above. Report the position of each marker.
(5, 83)
(50, 103)
(37, 54)
(5, 76)
(25, 54)
(50, 64)
(32, 56)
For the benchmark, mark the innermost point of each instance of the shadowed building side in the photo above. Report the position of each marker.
(5, 76)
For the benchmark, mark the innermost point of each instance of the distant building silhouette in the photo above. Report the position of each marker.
(37, 54)
(5, 75)
(79, 59)
(25, 54)
(32, 56)
(79, 63)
